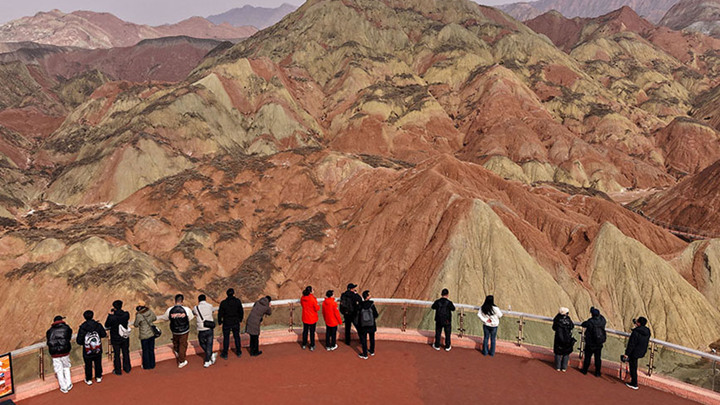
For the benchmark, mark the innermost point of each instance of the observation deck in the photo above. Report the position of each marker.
(405, 369)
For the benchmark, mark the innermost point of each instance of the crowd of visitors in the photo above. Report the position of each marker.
(355, 310)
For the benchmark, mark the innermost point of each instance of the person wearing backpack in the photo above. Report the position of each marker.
(564, 342)
(349, 303)
(331, 314)
(594, 340)
(443, 319)
(636, 349)
(58, 338)
(179, 317)
(144, 323)
(205, 326)
(490, 316)
(117, 322)
(310, 309)
(90, 337)
(367, 327)
(230, 315)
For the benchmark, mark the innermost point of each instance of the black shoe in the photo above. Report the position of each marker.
(598, 375)
(117, 372)
(584, 372)
(256, 354)
(239, 354)
(223, 355)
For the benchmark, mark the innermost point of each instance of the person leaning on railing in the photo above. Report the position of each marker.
(443, 319)
(259, 310)
(118, 318)
(636, 349)
(595, 337)
(490, 315)
(179, 317)
(205, 326)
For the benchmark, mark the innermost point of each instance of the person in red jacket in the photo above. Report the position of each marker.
(310, 310)
(332, 317)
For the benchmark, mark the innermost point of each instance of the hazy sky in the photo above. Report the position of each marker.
(153, 12)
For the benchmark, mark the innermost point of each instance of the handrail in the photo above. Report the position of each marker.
(402, 301)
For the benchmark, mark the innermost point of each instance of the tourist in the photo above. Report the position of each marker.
(490, 315)
(332, 318)
(310, 309)
(594, 340)
(90, 335)
(230, 315)
(205, 326)
(366, 325)
(117, 322)
(260, 309)
(144, 323)
(564, 341)
(443, 319)
(58, 342)
(636, 348)
(179, 317)
(349, 304)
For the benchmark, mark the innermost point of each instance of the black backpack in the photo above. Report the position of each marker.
(367, 318)
(600, 335)
(443, 312)
(346, 304)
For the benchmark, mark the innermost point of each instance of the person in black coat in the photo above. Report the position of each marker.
(90, 337)
(58, 338)
(349, 304)
(594, 340)
(121, 345)
(230, 315)
(443, 319)
(366, 325)
(636, 349)
(564, 341)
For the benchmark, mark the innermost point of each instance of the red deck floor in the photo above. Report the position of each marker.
(400, 373)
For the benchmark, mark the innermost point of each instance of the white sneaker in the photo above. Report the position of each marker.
(207, 364)
(362, 357)
(213, 357)
(436, 347)
(334, 347)
(70, 387)
(98, 380)
(88, 382)
(63, 391)
(329, 348)
(447, 349)
(183, 364)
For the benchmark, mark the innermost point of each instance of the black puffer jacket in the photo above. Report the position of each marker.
(638, 343)
(113, 321)
(231, 312)
(595, 332)
(59, 337)
(564, 340)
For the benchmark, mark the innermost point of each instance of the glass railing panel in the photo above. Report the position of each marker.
(25, 367)
(538, 333)
(684, 367)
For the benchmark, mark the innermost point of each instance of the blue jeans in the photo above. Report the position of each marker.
(489, 332)
(205, 338)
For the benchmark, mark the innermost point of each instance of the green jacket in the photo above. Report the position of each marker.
(143, 322)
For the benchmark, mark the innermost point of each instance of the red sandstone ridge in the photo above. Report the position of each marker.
(562, 31)
(87, 29)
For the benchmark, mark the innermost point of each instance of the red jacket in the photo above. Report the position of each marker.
(310, 309)
(331, 314)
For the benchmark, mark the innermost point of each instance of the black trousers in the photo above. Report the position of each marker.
(205, 338)
(235, 329)
(309, 328)
(348, 327)
(633, 363)
(598, 360)
(254, 344)
(122, 347)
(148, 353)
(364, 333)
(330, 336)
(90, 363)
(438, 331)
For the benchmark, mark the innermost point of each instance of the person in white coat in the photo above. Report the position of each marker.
(203, 312)
(490, 315)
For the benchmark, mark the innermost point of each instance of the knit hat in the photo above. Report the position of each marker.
(563, 311)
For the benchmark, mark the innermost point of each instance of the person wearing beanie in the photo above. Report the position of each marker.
(58, 342)
(144, 322)
(636, 349)
(230, 315)
(310, 309)
(349, 305)
(594, 340)
(564, 342)
(90, 335)
(117, 322)
(331, 314)
(443, 319)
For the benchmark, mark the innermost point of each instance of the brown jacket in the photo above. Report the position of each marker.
(260, 309)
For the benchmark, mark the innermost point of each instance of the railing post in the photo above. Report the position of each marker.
(581, 347)
(404, 321)
(292, 310)
(714, 368)
(651, 363)
(461, 323)
(41, 363)
(521, 323)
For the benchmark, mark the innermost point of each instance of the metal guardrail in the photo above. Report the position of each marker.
(405, 302)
